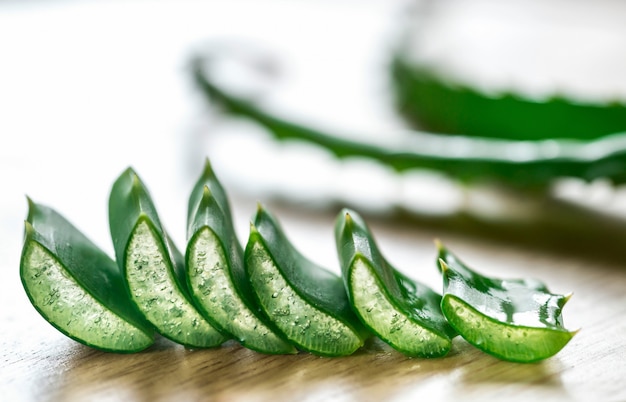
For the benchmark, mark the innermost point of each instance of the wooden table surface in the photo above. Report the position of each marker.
(84, 93)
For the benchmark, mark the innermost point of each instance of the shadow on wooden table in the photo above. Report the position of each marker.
(233, 373)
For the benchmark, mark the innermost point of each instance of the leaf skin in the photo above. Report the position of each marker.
(474, 158)
(436, 103)
(209, 209)
(318, 287)
(414, 300)
(131, 206)
(88, 265)
(130, 202)
(513, 319)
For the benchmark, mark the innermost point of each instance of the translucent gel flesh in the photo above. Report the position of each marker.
(517, 343)
(155, 291)
(391, 324)
(213, 288)
(301, 322)
(63, 302)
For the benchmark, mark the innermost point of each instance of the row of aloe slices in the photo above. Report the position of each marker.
(267, 296)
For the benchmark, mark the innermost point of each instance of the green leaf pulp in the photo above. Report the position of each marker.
(153, 267)
(306, 302)
(215, 272)
(402, 312)
(76, 287)
(517, 319)
(269, 297)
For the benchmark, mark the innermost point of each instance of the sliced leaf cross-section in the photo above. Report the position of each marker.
(215, 272)
(76, 287)
(306, 302)
(513, 319)
(153, 268)
(404, 313)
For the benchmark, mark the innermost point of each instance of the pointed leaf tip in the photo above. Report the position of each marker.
(443, 265)
(206, 192)
(31, 207)
(129, 171)
(253, 228)
(566, 297)
(28, 229)
(135, 178)
(208, 168)
(136, 186)
(348, 218)
(344, 221)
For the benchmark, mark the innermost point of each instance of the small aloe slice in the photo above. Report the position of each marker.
(306, 302)
(215, 273)
(152, 266)
(76, 287)
(516, 319)
(402, 312)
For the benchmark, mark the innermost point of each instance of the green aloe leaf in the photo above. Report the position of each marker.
(306, 302)
(519, 163)
(152, 266)
(76, 287)
(215, 272)
(513, 319)
(404, 313)
(438, 104)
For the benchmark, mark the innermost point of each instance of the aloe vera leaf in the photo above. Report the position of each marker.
(402, 312)
(76, 287)
(514, 319)
(215, 272)
(440, 105)
(525, 164)
(152, 266)
(306, 302)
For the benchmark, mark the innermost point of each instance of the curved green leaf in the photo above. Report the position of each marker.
(513, 319)
(215, 272)
(437, 104)
(467, 158)
(76, 287)
(306, 302)
(152, 266)
(404, 313)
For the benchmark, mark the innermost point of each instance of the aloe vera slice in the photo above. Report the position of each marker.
(152, 266)
(515, 319)
(402, 312)
(306, 302)
(76, 287)
(215, 272)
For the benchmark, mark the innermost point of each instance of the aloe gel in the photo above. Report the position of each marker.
(215, 271)
(402, 312)
(153, 268)
(76, 287)
(513, 319)
(306, 302)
